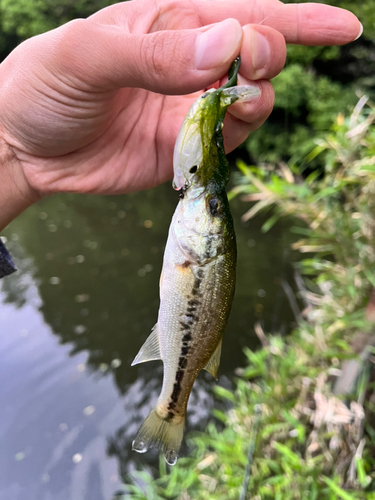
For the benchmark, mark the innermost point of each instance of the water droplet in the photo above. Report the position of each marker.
(89, 410)
(67, 224)
(171, 457)
(63, 427)
(148, 224)
(20, 456)
(251, 243)
(46, 478)
(261, 293)
(81, 368)
(142, 272)
(103, 367)
(148, 268)
(139, 446)
(77, 458)
(54, 280)
(14, 237)
(121, 214)
(93, 245)
(80, 259)
(52, 228)
(43, 215)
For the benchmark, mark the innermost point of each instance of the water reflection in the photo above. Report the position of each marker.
(72, 320)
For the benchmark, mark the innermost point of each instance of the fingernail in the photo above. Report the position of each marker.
(360, 32)
(218, 45)
(260, 51)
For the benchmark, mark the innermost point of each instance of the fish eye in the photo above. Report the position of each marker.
(193, 169)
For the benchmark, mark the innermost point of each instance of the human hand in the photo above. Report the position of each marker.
(95, 105)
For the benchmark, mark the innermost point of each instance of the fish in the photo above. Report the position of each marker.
(199, 268)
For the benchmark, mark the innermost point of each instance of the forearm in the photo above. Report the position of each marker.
(15, 193)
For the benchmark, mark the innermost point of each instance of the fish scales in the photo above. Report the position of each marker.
(197, 286)
(198, 277)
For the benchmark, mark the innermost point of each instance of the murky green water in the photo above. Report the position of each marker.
(72, 320)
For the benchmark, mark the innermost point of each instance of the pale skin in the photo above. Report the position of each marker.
(95, 105)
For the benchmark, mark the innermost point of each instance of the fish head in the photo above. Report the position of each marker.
(199, 156)
(188, 151)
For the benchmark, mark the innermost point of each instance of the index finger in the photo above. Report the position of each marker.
(303, 24)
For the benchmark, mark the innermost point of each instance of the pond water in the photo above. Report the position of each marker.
(73, 318)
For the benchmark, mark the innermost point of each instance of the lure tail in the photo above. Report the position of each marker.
(162, 433)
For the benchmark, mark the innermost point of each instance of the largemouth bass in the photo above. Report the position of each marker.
(199, 269)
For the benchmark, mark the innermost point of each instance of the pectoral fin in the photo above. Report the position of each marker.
(213, 364)
(150, 351)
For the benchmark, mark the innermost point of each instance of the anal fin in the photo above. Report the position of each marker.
(150, 351)
(213, 363)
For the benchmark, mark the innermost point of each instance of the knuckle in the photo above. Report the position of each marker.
(158, 52)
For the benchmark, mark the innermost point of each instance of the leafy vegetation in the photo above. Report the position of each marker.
(291, 432)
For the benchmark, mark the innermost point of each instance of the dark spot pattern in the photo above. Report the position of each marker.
(207, 251)
(193, 169)
(170, 416)
(214, 207)
(187, 337)
(182, 362)
(193, 302)
(186, 325)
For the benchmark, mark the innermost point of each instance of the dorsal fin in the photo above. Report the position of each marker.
(213, 363)
(150, 351)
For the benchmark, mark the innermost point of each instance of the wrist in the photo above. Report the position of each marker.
(16, 195)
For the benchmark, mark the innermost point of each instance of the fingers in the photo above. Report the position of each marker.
(263, 52)
(263, 55)
(243, 118)
(305, 24)
(167, 62)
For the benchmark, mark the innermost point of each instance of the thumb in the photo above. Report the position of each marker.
(166, 62)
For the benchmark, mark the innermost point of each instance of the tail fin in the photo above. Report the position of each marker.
(162, 433)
